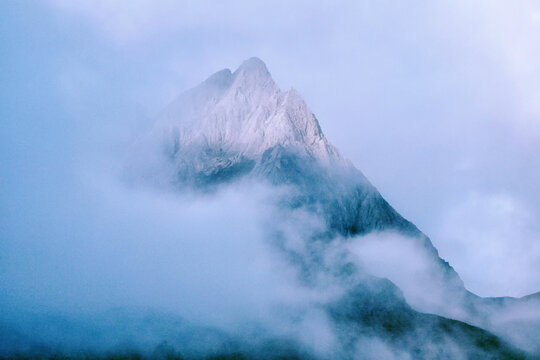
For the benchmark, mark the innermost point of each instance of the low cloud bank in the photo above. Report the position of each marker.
(108, 251)
(417, 274)
(408, 264)
(104, 266)
(90, 263)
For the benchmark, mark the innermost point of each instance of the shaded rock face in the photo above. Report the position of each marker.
(240, 125)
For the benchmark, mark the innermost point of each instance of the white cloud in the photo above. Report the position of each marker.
(137, 20)
(206, 259)
(412, 267)
(511, 33)
(124, 21)
(494, 244)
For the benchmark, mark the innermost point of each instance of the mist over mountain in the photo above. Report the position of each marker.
(239, 125)
(237, 229)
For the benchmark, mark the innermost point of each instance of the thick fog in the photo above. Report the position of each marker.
(93, 263)
(436, 104)
(95, 251)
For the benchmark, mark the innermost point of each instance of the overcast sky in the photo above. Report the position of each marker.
(438, 103)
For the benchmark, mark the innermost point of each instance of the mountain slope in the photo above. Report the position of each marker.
(240, 125)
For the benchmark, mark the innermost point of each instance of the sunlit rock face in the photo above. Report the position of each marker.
(246, 113)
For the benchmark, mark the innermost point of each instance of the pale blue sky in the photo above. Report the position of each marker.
(437, 103)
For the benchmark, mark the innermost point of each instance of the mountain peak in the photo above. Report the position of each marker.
(253, 73)
(244, 112)
(253, 65)
(222, 77)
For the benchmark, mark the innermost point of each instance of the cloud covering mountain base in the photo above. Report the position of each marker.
(221, 247)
